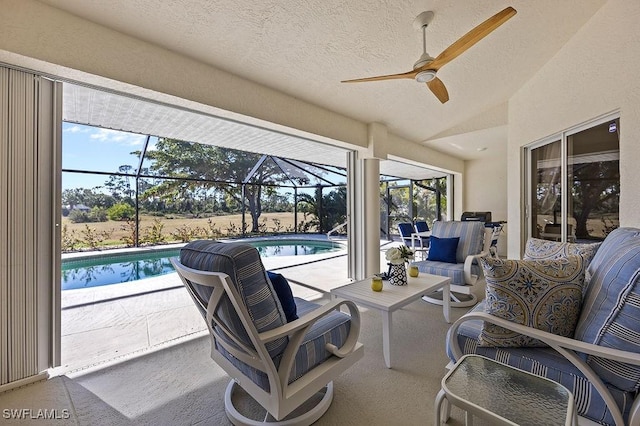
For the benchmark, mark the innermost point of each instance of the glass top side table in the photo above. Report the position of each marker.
(492, 390)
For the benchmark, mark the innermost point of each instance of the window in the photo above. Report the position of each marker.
(574, 183)
(147, 190)
(403, 200)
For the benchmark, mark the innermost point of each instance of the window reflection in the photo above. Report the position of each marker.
(593, 174)
(591, 183)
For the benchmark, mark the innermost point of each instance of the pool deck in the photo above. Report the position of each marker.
(102, 325)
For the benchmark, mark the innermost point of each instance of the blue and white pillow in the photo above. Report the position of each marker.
(543, 294)
(611, 314)
(537, 249)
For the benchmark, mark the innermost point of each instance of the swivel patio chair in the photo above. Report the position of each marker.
(453, 252)
(288, 368)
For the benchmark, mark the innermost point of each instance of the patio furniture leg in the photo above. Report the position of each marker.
(441, 416)
(446, 302)
(440, 398)
(468, 418)
(386, 337)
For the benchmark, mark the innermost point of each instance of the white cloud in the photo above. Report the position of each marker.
(152, 144)
(75, 129)
(115, 136)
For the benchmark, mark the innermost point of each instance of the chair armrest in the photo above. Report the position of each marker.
(569, 348)
(296, 330)
(306, 321)
(469, 278)
(550, 339)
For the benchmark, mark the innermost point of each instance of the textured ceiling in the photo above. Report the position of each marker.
(305, 48)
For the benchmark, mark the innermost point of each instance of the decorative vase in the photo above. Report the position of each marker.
(397, 274)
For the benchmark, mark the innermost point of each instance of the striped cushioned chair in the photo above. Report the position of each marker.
(281, 365)
(600, 365)
(465, 272)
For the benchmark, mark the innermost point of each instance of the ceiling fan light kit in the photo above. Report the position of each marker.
(426, 67)
(425, 76)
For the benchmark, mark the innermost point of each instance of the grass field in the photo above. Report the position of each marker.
(156, 230)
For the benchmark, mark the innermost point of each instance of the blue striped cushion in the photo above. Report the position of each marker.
(332, 328)
(546, 362)
(242, 263)
(609, 245)
(611, 309)
(471, 236)
(451, 270)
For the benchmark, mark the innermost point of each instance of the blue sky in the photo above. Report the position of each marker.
(91, 148)
(97, 149)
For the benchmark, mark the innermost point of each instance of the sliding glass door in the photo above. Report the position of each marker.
(574, 183)
(546, 190)
(593, 175)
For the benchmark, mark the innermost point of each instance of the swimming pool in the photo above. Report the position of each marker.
(114, 268)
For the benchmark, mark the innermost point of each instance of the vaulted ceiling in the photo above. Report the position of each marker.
(305, 49)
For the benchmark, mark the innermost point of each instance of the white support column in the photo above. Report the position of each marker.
(364, 205)
(364, 248)
(360, 253)
(365, 220)
(371, 215)
(455, 189)
(353, 227)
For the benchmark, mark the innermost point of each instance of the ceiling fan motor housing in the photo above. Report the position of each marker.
(426, 75)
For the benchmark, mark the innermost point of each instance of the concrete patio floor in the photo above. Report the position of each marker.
(108, 324)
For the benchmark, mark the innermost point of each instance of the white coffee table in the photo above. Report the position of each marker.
(392, 298)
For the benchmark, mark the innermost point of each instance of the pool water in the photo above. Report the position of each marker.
(110, 269)
(283, 248)
(115, 269)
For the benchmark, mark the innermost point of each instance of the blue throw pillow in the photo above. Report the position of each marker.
(443, 249)
(283, 291)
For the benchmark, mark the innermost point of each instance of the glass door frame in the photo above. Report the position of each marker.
(564, 159)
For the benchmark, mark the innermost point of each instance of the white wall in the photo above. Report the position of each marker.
(596, 72)
(486, 186)
(486, 189)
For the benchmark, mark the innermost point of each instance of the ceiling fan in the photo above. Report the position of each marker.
(426, 68)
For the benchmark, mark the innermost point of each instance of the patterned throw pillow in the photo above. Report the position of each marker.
(544, 294)
(537, 249)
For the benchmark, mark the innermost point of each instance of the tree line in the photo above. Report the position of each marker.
(200, 180)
